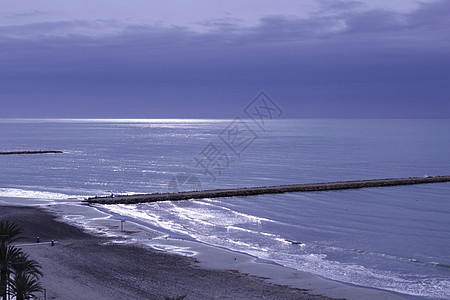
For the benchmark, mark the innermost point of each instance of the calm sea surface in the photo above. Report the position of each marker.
(394, 238)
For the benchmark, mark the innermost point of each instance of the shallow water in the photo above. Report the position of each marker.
(394, 238)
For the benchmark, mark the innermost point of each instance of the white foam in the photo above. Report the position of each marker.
(184, 217)
(21, 193)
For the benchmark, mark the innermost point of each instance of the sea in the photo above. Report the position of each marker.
(390, 238)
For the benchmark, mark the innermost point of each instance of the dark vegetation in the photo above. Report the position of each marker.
(19, 274)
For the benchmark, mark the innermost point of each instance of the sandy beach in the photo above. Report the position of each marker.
(82, 266)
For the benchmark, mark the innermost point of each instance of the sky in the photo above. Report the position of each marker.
(210, 59)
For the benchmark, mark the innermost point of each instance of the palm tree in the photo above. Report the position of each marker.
(26, 273)
(9, 233)
(8, 254)
(25, 286)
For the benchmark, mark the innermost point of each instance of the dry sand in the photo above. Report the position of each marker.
(82, 266)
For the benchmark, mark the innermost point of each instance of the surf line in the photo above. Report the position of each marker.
(241, 192)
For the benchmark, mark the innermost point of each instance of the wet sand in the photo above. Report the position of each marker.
(83, 266)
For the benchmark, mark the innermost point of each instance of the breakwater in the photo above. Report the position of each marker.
(29, 152)
(240, 192)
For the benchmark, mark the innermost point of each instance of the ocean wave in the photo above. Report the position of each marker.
(21, 193)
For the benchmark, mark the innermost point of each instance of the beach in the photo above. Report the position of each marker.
(83, 266)
(108, 266)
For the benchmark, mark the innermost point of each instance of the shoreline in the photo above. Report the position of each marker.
(195, 257)
(97, 268)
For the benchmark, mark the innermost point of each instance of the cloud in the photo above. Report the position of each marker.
(24, 14)
(431, 16)
(345, 50)
(343, 5)
(338, 23)
(349, 33)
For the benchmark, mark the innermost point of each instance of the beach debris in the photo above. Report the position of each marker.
(295, 242)
(175, 298)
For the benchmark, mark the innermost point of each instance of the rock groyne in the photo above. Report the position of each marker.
(240, 192)
(29, 152)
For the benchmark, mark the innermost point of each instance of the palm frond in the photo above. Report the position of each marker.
(9, 232)
(8, 254)
(23, 286)
(22, 265)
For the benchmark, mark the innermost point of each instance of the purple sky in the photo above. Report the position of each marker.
(208, 59)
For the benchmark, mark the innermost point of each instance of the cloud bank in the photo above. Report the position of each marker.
(344, 60)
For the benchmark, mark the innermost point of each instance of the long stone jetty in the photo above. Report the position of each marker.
(240, 192)
(29, 152)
